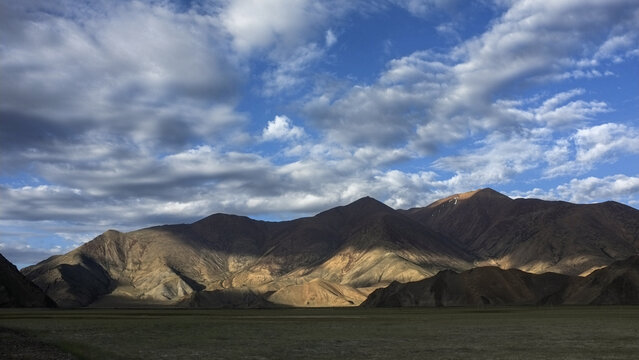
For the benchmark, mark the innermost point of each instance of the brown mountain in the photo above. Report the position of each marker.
(337, 257)
(18, 291)
(535, 235)
(334, 258)
(615, 284)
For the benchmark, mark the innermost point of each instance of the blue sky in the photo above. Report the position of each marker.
(130, 114)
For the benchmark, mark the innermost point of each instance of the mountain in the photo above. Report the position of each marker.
(615, 284)
(337, 257)
(18, 291)
(534, 235)
(488, 285)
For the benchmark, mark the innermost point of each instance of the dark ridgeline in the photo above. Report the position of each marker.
(338, 257)
(535, 235)
(17, 291)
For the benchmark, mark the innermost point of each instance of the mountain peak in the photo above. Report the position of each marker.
(485, 193)
(361, 207)
(367, 204)
(489, 192)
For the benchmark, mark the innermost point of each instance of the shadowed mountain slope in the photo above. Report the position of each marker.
(18, 291)
(615, 284)
(480, 286)
(535, 235)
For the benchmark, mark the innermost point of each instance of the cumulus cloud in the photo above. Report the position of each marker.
(258, 24)
(589, 146)
(290, 35)
(593, 189)
(617, 47)
(604, 140)
(530, 39)
(139, 70)
(558, 154)
(554, 113)
(497, 160)
(373, 115)
(427, 99)
(281, 128)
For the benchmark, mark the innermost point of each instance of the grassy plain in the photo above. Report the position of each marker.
(350, 333)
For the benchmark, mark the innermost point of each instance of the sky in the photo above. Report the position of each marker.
(128, 114)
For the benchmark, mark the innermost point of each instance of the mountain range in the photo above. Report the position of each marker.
(337, 257)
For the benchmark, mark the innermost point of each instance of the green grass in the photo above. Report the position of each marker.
(441, 333)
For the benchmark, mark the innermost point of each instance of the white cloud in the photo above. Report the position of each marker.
(290, 70)
(449, 30)
(592, 189)
(531, 38)
(406, 190)
(425, 7)
(579, 74)
(166, 70)
(559, 154)
(366, 115)
(331, 39)
(259, 24)
(528, 40)
(281, 128)
(587, 147)
(616, 46)
(290, 35)
(427, 99)
(605, 141)
(557, 100)
(496, 161)
(553, 114)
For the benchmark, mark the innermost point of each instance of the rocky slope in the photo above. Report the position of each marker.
(337, 257)
(535, 235)
(615, 284)
(18, 291)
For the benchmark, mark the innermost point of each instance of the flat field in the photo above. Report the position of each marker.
(346, 333)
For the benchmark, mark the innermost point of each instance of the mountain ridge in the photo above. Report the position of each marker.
(536, 235)
(17, 291)
(356, 248)
(617, 284)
